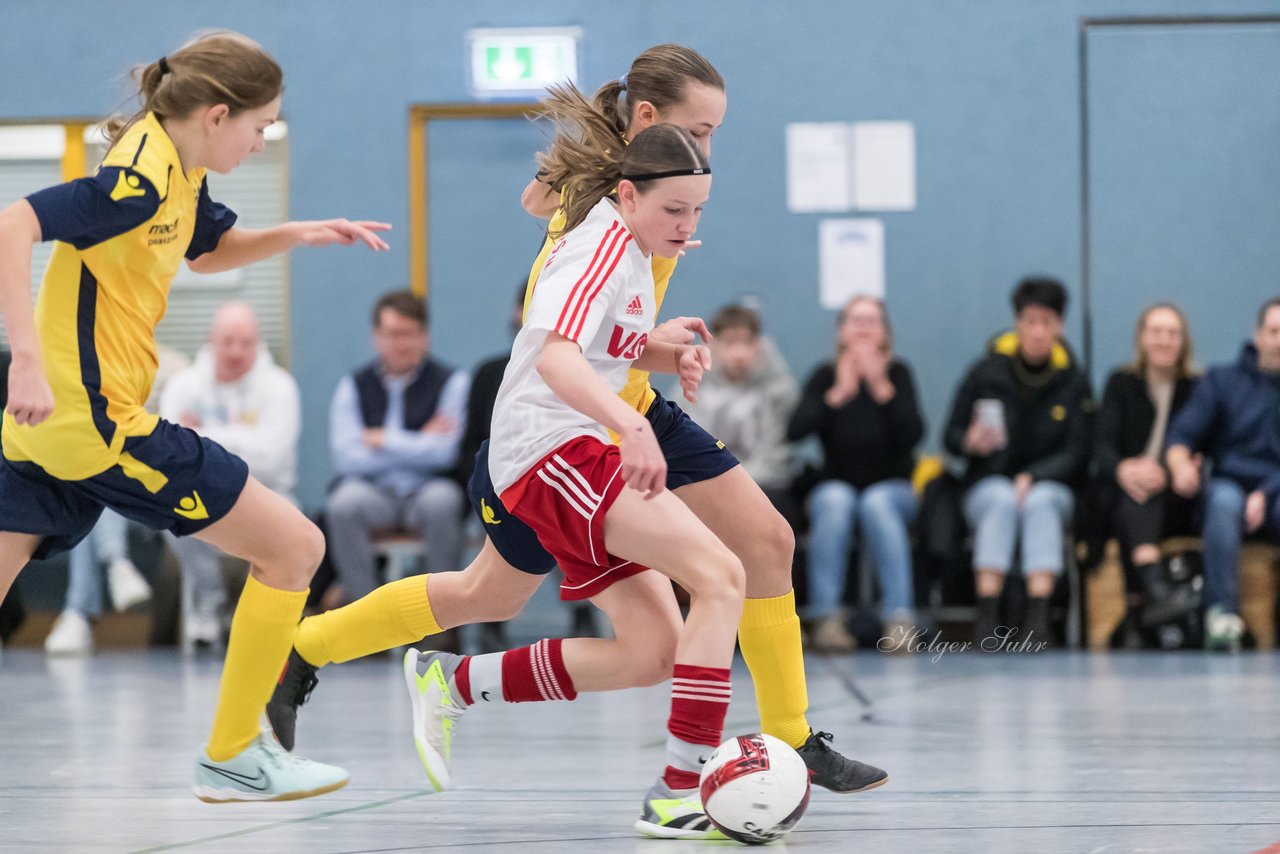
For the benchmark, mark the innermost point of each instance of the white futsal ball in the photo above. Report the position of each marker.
(755, 788)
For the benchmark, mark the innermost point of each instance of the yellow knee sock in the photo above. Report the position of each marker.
(393, 615)
(262, 631)
(769, 636)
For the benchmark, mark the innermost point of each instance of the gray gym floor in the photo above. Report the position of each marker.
(986, 753)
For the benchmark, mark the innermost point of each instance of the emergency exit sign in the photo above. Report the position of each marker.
(511, 63)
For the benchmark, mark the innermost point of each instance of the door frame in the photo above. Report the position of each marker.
(1086, 26)
(420, 118)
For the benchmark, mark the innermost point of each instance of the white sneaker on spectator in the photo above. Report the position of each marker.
(128, 587)
(201, 630)
(831, 636)
(1222, 630)
(71, 635)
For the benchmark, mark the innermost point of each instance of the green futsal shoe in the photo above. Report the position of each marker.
(671, 814)
(436, 711)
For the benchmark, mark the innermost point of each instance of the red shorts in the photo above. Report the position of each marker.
(564, 499)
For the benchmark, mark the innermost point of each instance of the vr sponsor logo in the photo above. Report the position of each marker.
(626, 345)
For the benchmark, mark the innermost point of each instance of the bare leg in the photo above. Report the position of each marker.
(646, 624)
(488, 590)
(283, 549)
(990, 582)
(15, 551)
(282, 546)
(663, 533)
(739, 513)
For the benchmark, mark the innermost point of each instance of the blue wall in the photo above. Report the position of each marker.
(991, 86)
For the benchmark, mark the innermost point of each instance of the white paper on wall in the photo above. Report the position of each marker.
(884, 166)
(850, 260)
(819, 167)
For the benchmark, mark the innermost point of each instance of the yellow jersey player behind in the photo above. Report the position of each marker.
(673, 84)
(76, 437)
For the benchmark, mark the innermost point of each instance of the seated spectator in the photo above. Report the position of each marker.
(1231, 418)
(1137, 505)
(104, 550)
(395, 426)
(1019, 423)
(863, 409)
(236, 395)
(746, 399)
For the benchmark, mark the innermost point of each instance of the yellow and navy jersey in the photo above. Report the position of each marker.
(637, 393)
(120, 236)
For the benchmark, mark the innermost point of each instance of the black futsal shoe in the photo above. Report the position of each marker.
(297, 681)
(834, 772)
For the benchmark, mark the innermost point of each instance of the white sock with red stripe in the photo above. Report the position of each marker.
(699, 703)
(526, 675)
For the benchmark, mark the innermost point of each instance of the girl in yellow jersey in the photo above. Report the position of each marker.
(672, 84)
(76, 437)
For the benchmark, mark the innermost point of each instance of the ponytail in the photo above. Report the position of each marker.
(216, 67)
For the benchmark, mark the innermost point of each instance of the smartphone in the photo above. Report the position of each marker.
(989, 413)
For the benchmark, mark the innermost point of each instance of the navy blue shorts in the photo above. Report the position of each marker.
(170, 480)
(693, 455)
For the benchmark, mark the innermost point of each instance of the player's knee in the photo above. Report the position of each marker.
(493, 602)
(656, 668)
(773, 545)
(650, 656)
(722, 577)
(505, 608)
(780, 540)
(309, 549)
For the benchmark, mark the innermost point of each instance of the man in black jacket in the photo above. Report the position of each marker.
(1019, 421)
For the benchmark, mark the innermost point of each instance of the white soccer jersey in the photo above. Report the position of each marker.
(596, 288)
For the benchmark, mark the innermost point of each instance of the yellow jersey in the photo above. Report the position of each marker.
(637, 393)
(120, 236)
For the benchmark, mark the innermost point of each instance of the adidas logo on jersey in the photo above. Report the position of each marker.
(635, 307)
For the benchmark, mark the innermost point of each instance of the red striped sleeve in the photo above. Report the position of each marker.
(584, 283)
(608, 260)
(614, 259)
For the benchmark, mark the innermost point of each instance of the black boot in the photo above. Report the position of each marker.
(1036, 629)
(984, 622)
(1165, 603)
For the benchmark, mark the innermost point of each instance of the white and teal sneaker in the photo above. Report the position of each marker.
(436, 710)
(671, 814)
(264, 771)
(1222, 630)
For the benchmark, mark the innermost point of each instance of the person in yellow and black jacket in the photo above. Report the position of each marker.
(1020, 422)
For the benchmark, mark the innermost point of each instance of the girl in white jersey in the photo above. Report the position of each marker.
(602, 509)
(667, 83)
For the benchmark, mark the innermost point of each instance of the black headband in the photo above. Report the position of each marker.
(653, 176)
(163, 62)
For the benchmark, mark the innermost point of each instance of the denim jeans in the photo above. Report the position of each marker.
(998, 523)
(883, 512)
(1222, 535)
(105, 543)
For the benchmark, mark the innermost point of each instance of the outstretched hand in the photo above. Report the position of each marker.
(681, 330)
(344, 232)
